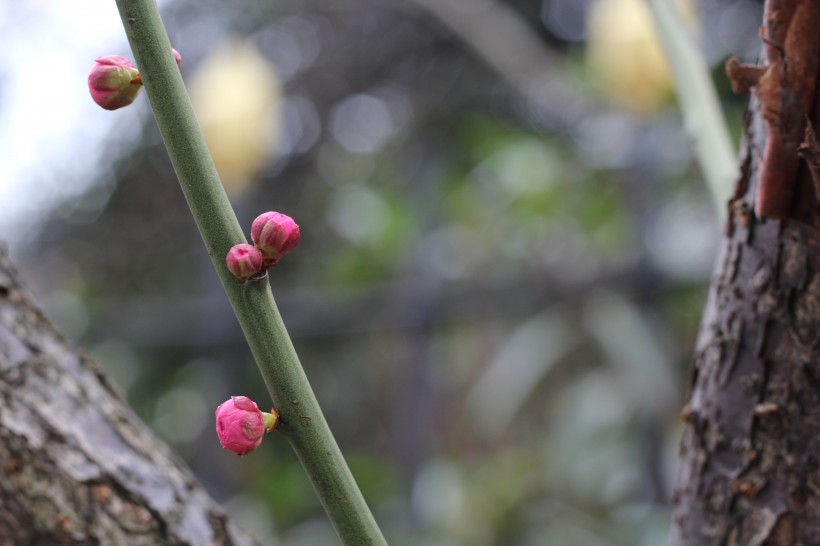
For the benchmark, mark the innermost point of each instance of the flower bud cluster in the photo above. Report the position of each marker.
(114, 82)
(273, 234)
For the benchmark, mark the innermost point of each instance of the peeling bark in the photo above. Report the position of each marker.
(77, 467)
(750, 457)
(785, 86)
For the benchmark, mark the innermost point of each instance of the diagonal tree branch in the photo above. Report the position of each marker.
(302, 421)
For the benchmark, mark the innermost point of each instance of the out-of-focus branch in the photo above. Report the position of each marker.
(392, 307)
(701, 109)
(502, 39)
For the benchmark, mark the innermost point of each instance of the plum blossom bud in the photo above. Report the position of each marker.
(240, 425)
(275, 234)
(177, 57)
(244, 261)
(114, 82)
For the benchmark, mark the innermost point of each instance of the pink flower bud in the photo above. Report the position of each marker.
(244, 261)
(240, 425)
(114, 82)
(275, 234)
(177, 57)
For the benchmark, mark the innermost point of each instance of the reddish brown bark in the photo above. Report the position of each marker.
(750, 456)
(786, 88)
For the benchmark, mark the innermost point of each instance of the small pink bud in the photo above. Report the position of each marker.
(275, 234)
(240, 425)
(244, 261)
(177, 57)
(114, 82)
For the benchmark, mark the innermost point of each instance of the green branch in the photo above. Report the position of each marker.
(702, 114)
(302, 421)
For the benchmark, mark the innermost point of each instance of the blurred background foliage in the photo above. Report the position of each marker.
(505, 251)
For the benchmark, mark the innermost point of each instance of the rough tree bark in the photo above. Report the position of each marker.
(750, 457)
(76, 464)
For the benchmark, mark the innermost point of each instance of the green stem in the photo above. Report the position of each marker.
(701, 109)
(302, 421)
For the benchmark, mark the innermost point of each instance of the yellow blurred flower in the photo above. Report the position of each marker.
(625, 56)
(237, 97)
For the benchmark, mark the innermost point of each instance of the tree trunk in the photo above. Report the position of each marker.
(750, 458)
(76, 465)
